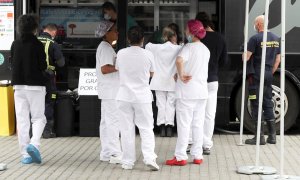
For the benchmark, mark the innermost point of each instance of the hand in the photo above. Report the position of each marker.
(185, 78)
(49, 72)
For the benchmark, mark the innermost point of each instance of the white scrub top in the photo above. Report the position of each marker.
(108, 84)
(165, 58)
(196, 57)
(135, 64)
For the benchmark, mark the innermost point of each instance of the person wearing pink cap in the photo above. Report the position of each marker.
(191, 94)
(108, 85)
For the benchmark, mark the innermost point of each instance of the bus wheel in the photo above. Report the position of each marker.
(291, 100)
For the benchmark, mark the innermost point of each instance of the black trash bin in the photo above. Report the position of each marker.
(90, 112)
(64, 114)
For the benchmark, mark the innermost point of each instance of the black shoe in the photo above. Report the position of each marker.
(49, 135)
(262, 137)
(253, 141)
(206, 151)
(272, 132)
(169, 130)
(162, 130)
(271, 139)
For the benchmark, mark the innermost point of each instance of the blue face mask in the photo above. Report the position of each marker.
(189, 38)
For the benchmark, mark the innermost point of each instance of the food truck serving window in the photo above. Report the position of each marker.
(76, 25)
(6, 24)
(77, 22)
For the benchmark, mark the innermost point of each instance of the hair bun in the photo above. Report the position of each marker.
(196, 28)
(202, 33)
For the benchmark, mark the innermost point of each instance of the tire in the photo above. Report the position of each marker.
(292, 104)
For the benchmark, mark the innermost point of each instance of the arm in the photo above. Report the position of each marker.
(252, 44)
(41, 57)
(180, 69)
(106, 69)
(179, 65)
(276, 64)
(248, 55)
(152, 68)
(223, 58)
(58, 55)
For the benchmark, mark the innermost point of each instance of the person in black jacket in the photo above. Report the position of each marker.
(216, 44)
(54, 57)
(28, 79)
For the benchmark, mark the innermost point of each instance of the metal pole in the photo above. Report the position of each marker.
(282, 92)
(282, 87)
(24, 6)
(244, 70)
(262, 79)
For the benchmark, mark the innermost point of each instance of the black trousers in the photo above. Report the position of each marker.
(50, 102)
(268, 105)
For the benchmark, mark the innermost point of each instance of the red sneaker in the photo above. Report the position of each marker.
(174, 162)
(198, 161)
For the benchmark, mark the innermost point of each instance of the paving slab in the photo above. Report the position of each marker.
(78, 158)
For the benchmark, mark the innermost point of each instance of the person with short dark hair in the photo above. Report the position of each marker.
(28, 80)
(216, 44)
(135, 65)
(54, 58)
(110, 13)
(205, 19)
(163, 82)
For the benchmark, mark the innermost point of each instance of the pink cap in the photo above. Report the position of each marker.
(196, 28)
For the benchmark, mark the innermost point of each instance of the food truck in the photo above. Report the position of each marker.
(77, 20)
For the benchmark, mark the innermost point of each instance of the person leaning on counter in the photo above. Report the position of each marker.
(54, 57)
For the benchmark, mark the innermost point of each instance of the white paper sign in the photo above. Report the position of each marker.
(81, 29)
(87, 82)
(6, 27)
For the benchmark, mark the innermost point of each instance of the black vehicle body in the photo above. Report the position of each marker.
(232, 13)
(231, 19)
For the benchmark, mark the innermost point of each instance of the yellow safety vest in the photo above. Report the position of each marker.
(46, 42)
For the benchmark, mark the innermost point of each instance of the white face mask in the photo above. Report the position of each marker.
(254, 27)
(107, 17)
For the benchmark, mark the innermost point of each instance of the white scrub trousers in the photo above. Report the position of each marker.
(30, 103)
(190, 117)
(210, 113)
(109, 130)
(165, 102)
(139, 114)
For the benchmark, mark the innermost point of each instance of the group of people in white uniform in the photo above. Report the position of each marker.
(179, 79)
(180, 76)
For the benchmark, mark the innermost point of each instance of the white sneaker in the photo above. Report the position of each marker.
(127, 167)
(104, 159)
(115, 159)
(152, 165)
